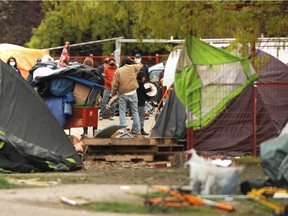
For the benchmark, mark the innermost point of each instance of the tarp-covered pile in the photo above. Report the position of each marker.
(56, 85)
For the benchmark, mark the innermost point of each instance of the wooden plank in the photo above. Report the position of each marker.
(130, 141)
(170, 148)
(123, 149)
(125, 157)
(115, 141)
(163, 140)
(96, 141)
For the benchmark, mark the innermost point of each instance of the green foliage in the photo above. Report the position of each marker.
(17, 19)
(80, 21)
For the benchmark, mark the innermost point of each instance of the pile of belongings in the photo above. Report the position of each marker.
(55, 85)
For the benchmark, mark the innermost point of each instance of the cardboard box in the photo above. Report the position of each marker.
(81, 93)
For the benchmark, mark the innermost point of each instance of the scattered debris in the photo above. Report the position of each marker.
(74, 201)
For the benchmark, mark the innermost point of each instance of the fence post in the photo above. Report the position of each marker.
(254, 126)
(157, 58)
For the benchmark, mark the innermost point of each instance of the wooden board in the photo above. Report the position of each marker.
(129, 141)
(170, 148)
(162, 140)
(152, 149)
(115, 141)
(118, 157)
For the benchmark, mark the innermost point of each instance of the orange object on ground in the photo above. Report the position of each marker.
(182, 199)
(26, 58)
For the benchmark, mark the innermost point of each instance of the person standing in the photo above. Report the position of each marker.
(144, 68)
(125, 84)
(88, 61)
(142, 97)
(65, 56)
(13, 63)
(108, 77)
(103, 66)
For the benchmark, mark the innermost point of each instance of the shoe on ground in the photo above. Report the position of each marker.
(100, 118)
(111, 118)
(143, 132)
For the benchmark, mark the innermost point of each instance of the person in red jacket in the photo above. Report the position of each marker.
(108, 77)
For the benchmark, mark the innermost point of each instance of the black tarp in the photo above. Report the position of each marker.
(27, 122)
(171, 120)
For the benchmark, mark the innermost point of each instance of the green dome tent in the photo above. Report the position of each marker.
(203, 70)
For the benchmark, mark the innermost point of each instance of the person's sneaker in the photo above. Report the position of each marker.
(100, 118)
(143, 132)
(111, 118)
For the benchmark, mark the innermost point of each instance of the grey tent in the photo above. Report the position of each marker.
(31, 139)
(171, 120)
(232, 130)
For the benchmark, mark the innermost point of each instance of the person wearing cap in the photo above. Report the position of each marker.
(108, 77)
(103, 66)
(144, 69)
(125, 85)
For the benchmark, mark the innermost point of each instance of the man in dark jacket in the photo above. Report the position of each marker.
(144, 69)
(142, 97)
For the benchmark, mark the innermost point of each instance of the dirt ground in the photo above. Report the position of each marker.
(99, 181)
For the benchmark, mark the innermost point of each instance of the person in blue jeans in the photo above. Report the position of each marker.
(125, 85)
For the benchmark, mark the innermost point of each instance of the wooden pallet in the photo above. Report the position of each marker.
(129, 149)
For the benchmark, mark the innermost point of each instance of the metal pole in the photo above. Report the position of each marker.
(117, 52)
(85, 43)
(254, 126)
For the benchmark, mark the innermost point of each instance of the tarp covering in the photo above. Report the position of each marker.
(26, 121)
(202, 71)
(26, 57)
(274, 159)
(170, 68)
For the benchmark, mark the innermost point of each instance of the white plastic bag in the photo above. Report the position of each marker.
(208, 178)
